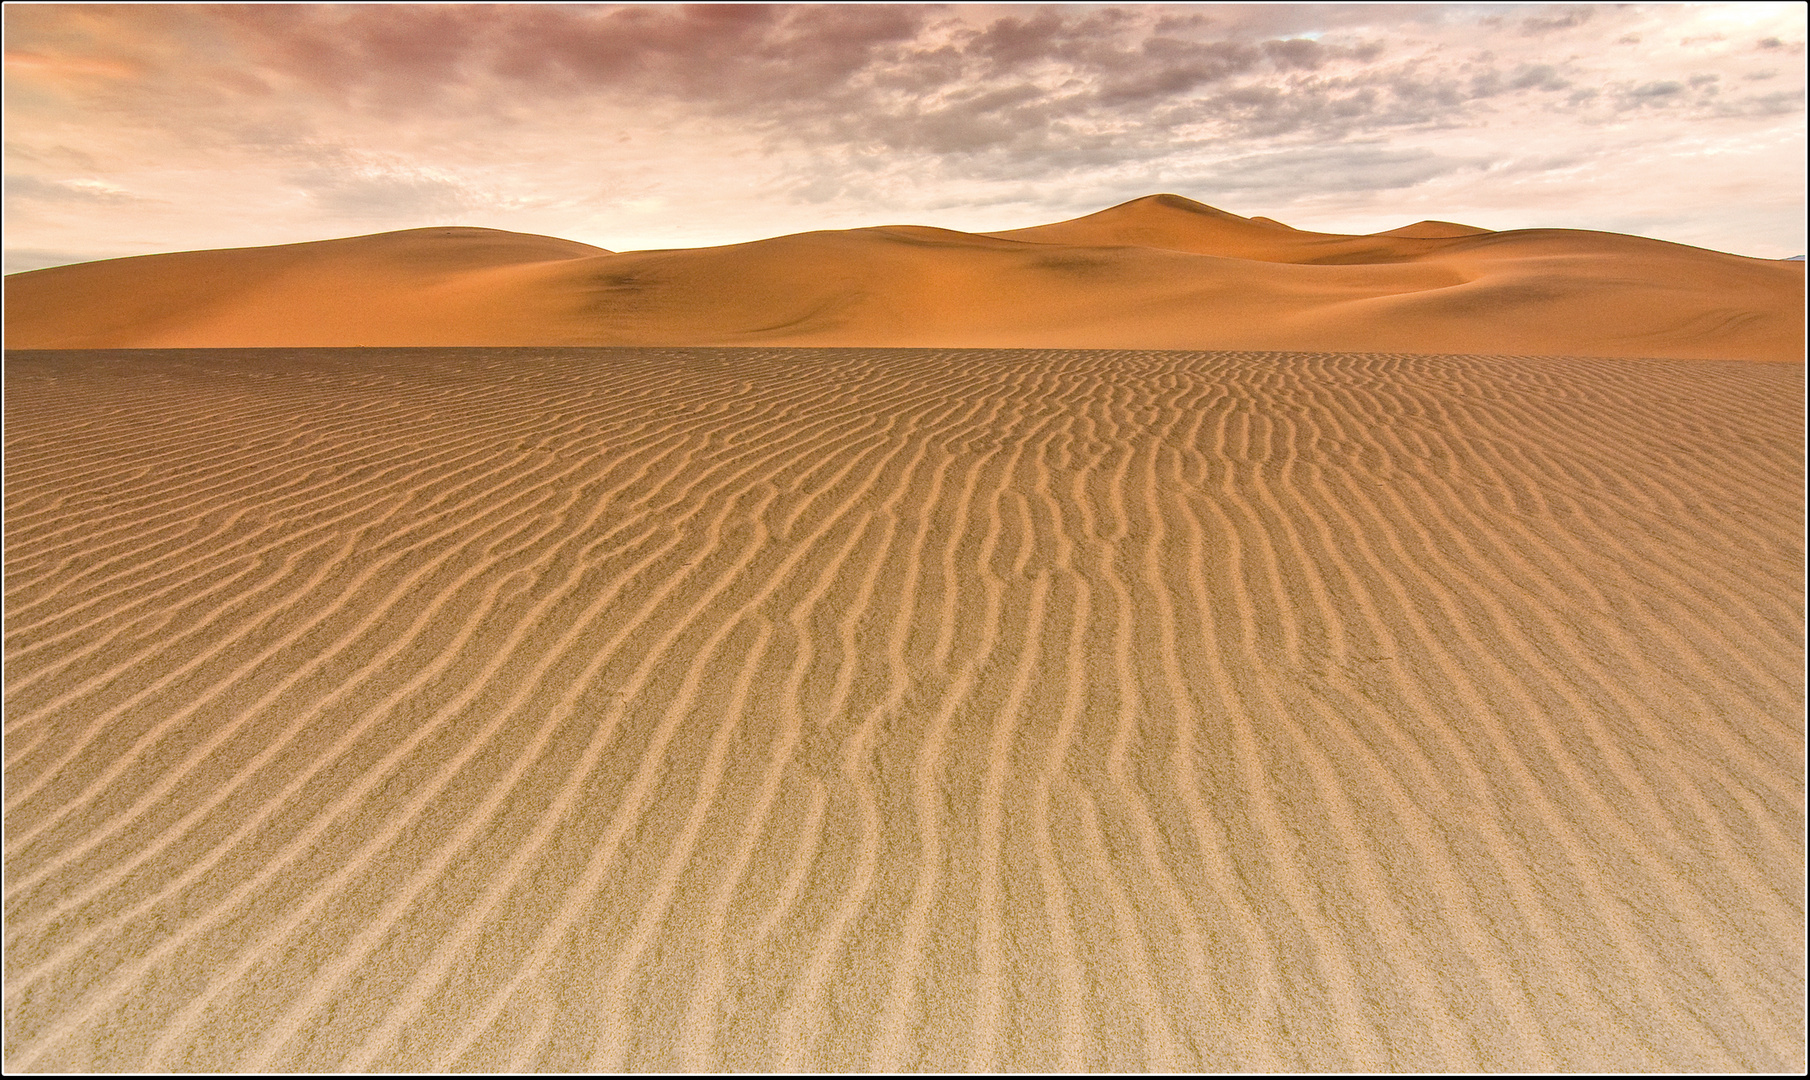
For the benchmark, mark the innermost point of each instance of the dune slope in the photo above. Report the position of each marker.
(878, 710)
(1161, 272)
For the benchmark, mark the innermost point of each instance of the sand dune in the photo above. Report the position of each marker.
(871, 709)
(1161, 272)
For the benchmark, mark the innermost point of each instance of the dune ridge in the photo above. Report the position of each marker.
(703, 709)
(1161, 272)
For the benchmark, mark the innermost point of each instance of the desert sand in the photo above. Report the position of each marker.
(736, 708)
(1161, 272)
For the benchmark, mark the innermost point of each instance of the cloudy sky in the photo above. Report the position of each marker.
(141, 128)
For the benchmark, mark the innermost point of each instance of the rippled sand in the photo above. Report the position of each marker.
(902, 709)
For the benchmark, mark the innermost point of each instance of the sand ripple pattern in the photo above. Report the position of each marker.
(637, 709)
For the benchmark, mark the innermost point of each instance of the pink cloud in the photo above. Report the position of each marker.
(759, 119)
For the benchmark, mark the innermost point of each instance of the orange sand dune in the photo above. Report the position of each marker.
(1160, 272)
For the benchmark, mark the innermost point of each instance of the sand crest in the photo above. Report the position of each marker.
(1162, 272)
(704, 709)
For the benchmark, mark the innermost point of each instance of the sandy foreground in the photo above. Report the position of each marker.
(532, 709)
(1160, 272)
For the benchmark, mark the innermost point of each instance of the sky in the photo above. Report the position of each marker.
(141, 128)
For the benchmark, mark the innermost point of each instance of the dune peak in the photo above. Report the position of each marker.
(1167, 201)
(1431, 229)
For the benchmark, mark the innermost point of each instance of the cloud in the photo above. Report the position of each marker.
(1776, 103)
(913, 78)
(553, 117)
(1052, 85)
(1650, 90)
(1565, 18)
(1777, 44)
(1537, 77)
(382, 196)
(1293, 172)
(66, 192)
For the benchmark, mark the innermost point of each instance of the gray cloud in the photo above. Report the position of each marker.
(1559, 18)
(1537, 77)
(69, 192)
(653, 118)
(53, 156)
(1054, 87)
(908, 76)
(1293, 172)
(382, 197)
(1667, 88)
(1777, 103)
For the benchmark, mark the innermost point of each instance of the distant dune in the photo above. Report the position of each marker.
(1161, 272)
(876, 710)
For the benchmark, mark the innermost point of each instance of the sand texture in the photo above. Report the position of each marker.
(533, 709)
(1162, 272)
